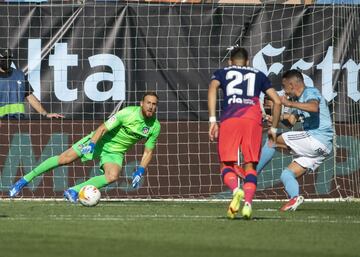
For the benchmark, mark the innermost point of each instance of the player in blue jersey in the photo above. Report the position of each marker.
(310, 146)
(240, 124)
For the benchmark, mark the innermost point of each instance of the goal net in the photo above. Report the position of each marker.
(84, 58)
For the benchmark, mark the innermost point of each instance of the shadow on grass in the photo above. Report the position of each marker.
(4, 216)
(253, 218)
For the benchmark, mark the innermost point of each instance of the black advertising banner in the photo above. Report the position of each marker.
(83, 60)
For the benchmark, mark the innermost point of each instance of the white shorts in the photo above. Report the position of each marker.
(309, 152)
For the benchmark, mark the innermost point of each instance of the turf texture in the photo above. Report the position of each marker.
(156, 229)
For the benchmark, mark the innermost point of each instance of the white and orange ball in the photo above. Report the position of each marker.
(89, 196)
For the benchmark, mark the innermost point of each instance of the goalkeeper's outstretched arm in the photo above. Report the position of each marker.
(146, 158)
(140, 170)
(100, 131)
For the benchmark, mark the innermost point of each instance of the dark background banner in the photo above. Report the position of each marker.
(173, 49)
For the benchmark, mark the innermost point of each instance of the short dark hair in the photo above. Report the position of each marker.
(152, 93)
(239, 53)
(293, 74)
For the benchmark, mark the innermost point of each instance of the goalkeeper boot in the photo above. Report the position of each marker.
(16, 188)
(247, 211)
(234, 206)
(293, 203)
(71, 195)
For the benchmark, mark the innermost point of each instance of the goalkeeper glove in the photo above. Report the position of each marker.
(88, 149)
(136, 176)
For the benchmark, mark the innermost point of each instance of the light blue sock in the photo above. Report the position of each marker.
(266, 155)
(289, 180)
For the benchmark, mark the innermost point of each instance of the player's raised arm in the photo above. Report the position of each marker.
(212, 96)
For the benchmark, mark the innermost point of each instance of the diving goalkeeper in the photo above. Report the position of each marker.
(108, 143)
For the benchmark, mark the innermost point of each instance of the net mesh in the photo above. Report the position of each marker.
(84, 58)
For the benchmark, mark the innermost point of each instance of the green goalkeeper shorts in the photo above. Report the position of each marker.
(98, 154)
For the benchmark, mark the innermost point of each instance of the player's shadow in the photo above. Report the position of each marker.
(4, 216)
(253, 218)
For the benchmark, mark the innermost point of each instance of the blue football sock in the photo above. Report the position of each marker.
(289, 180)
(267, 154)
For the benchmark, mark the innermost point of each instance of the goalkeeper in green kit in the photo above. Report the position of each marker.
(108, 143)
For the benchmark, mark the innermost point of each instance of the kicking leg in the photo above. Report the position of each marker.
(268, 151)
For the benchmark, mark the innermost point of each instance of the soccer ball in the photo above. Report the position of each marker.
(89, 196)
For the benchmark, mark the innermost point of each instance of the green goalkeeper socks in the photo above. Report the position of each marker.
(45, 166)
(98, 181)
(53, 162)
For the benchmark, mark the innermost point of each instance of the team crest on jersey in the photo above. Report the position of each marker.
(145, 130)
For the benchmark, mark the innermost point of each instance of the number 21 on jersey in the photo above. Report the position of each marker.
(236, 78)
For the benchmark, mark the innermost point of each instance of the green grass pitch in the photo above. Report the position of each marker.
(156, 229)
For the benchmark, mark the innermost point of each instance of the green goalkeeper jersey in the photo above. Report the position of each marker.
(126, 128)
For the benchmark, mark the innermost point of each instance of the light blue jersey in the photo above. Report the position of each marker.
(318, 124)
